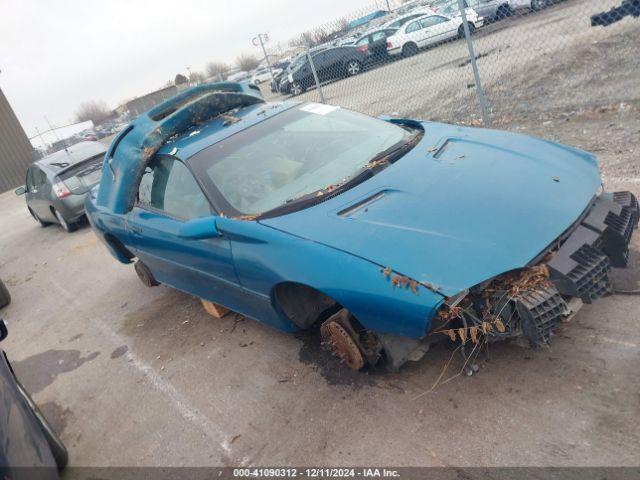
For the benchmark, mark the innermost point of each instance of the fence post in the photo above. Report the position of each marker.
(315, 74)
(472, 56)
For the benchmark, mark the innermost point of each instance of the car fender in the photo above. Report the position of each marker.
(265, 257)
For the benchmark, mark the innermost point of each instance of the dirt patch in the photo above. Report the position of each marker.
(627, 279)
(57, 416)
(41, 370)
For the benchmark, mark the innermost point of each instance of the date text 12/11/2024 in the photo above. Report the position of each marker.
(320, 472)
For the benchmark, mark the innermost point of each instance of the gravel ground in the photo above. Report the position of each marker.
(137, 376)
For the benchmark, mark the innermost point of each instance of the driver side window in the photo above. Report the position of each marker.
(30, 183)
(413, 27)
(167, 185)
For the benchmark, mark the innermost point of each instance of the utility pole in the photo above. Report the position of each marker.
(313, 70)
(472, 57)
(44, 145)
(51, 129)
(261, 39)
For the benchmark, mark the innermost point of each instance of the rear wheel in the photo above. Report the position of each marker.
(5, 297)
(145, 275)
(409, 49)
(58, 450)
(538, 4)
(296, 88)
(66, 226)
(472, 28)
(503, 11)
(353, 67)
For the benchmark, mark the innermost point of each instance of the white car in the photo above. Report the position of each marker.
(428, 30)
(238, 76)
(407, 17)
(263, 75)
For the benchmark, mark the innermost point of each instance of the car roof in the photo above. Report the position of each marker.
(71, 155)
(375, 30)
(199, 137)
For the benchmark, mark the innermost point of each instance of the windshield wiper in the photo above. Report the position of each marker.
(312, 198)
(391, 154)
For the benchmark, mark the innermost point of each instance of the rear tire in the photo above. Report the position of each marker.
(58, 450)
(503, 12)
(5, 297)
(66, 226)
(409, 50)
(472, 28)
(353, 67)
(145, 275)
(296, 89)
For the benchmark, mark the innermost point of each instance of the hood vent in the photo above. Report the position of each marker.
(358, 207)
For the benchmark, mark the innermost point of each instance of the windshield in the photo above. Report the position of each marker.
(450, 10)
(293, 154)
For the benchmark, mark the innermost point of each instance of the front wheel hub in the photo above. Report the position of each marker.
(343, 345)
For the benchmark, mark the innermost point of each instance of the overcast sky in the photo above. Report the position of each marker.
(55, 54)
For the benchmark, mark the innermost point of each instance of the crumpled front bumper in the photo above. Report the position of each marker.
(579, 268)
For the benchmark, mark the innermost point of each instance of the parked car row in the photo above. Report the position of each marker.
(415, 25)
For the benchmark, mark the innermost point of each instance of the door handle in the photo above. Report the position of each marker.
(136, 230)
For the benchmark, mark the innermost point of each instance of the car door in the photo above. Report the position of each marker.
(378, 44)
(413, 33)
(484, 8)
(168, 196)
(437, 28)
(321, 64)
(336, 60)
(38, 193)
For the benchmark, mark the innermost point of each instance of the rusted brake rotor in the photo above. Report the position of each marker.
(341, 342)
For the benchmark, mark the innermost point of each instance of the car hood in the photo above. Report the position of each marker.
(462, 206)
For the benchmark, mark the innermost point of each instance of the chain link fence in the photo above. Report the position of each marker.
(539, 62)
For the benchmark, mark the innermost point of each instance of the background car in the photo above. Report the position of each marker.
(374, 45)
(407, 17)
(57, 184)
(330, 63)
(263, 74)
(412, 5)
(479, 8)
(282, 66)
(26, 437)
(428, 30)
(239, 76)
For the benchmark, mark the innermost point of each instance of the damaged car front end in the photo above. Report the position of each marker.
(529, 303)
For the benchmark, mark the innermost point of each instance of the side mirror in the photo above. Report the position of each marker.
(4, 332)
(199, 229)
(20, 190)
